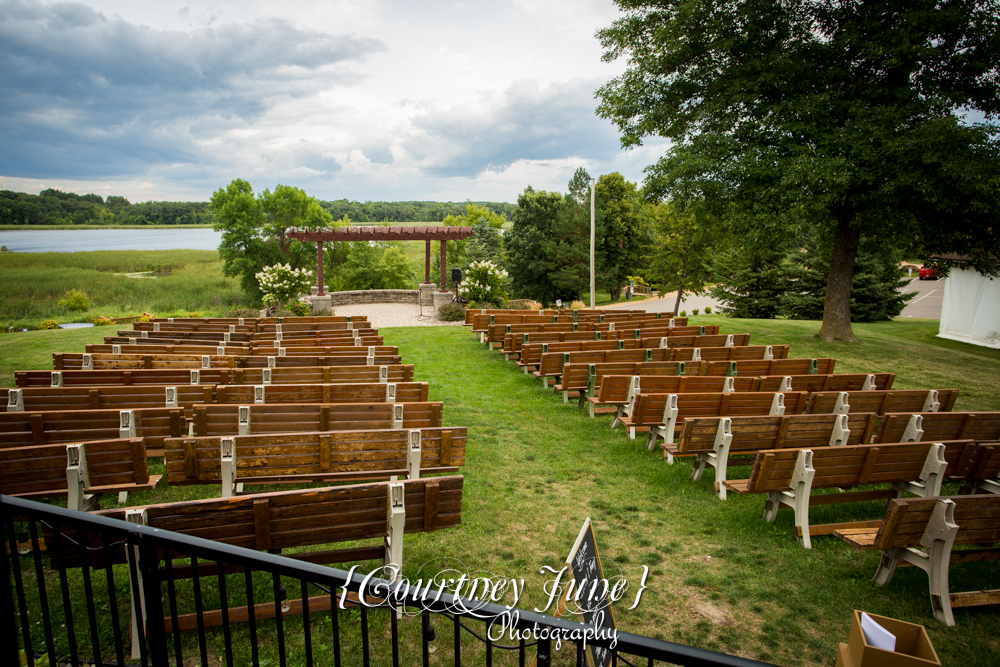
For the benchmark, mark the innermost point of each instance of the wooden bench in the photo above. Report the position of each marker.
(828, 382)
(732, 353)
(128, 378)
(126, 337)
(982, 470)
(323, 374)
(23, 429)
(721, 442)
(662, 414)
(278, 521)
(883, 401)
(369, 392)
(289, 418)
(36, 399)
(159, 348)
(324, 350)
(552, 363)
(301, 360)
(788, 477)
(511, 343)
(939, 426)
(366, 336)
(924, 532)
(298, 458)
(497, 332)
(84, 361)
(707, 340)
(81, 472)
(620, 391)
(531, 353)
(586, 378)
(772, 367)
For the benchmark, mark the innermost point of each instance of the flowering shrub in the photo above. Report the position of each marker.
(102, 321)
(484, 284)
(300, 307)
(280, 283)
(146, 317)
(49, 324)
(74, 300)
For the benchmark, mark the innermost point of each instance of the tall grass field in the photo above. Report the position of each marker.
(182, 281)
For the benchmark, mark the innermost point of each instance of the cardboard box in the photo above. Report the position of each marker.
(844, 655)
(913, 646)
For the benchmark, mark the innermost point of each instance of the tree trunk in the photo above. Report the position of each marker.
(677, 303)
(839, 277)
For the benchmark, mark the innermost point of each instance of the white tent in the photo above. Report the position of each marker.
(971, 309)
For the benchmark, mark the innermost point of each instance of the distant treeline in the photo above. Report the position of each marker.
(407, 211)
(54, 207)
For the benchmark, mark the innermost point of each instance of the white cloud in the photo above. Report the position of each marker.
(364, 100)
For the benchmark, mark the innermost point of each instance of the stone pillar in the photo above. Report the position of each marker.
(427, 263)
(444, 263)
(319, 268)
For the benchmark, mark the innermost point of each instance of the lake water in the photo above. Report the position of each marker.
(80, 240)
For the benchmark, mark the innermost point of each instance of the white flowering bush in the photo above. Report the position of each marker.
(280, 283)
(484, 283)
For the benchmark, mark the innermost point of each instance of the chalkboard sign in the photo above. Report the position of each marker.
(585, 566)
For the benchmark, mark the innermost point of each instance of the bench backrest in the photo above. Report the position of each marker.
(772, 367)
(292, 360)
(648, 410)
(586, 376)
(269, 350)
(367, 336)
(983, 462)
(127, 378)
(716, 340)
(939, 426)
(512, 343)
(20, 429)
(734, 353)
(371, 392)
(69, 361)
(905, 520)
(40, 471)
(617, 388)
(289, 418)
(851, 465)
(197, 460)
(829, 382)
(776, 432)
(160, 348)
(107, 397)
(286, 519)
(531, 353)
(325, 374)
(883, 401)
(126, 337)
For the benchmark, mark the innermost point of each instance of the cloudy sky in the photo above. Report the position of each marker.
(365, 100)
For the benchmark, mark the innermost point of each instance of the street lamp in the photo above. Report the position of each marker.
(593, 184)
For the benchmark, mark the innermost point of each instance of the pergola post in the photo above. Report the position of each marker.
(319, 269)
(444, 263)
(427, 263)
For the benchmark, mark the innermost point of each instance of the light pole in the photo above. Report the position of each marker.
(593, 185)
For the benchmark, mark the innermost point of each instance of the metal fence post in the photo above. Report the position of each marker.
(156, 637)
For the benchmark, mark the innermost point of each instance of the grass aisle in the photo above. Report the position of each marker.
(721, 578)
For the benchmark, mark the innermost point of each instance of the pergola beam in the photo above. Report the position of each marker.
(378, 233)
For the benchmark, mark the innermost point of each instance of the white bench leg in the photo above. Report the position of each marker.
(699, 468)
(565, 397)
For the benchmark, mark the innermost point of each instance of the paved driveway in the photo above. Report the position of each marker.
(927, 302)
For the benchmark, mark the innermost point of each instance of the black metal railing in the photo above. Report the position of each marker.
(102, 573)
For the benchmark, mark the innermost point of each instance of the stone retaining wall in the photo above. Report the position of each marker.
(373, 296)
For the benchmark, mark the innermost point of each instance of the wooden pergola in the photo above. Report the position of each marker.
(378, 233)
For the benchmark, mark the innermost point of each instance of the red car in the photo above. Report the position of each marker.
(929, 273)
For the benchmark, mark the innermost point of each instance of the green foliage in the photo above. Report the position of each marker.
(451, 312)
(708, 310)
(53, 207)
(749, 284)
(568, 250)
(48, 324)
(103, 322)
(376, 265)
(409, 211)
(244, 249)
(684, 238)
(683, 313)
(75, 300)
(300, 308)
(621, 236)
(486, 245)
(694, 311)
(185, 280)
(242, 312)
(537, 211)
(484, 283)
(875, 294)
(842, 114)
(282, 284)
(579, 187)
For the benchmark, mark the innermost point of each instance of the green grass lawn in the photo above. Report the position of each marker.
(720, 577)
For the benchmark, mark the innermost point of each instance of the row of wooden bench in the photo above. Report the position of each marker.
(346, 356)
(216, 376)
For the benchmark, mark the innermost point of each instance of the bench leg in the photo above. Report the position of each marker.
(651, 441)
(583, 398)
(590, 410)
(122, 497)
(631, 433)
(617, 418)
(771, 506)
(886, 567)
(565, 397)
(699, 468)
(545, 382)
